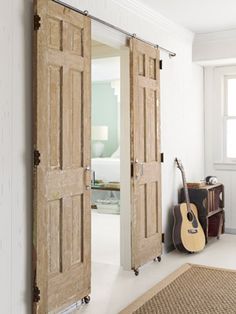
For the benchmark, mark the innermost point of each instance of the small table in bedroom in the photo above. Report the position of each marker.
(109, 186)
(106, 186)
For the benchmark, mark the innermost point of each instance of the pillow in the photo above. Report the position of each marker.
(116, 154)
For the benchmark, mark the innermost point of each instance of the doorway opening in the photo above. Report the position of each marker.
(105, 153)
(110, 154)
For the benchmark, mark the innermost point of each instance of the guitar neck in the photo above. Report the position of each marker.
(186, 191)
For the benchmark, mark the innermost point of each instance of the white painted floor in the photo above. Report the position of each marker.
(113, 289)
(105, 238)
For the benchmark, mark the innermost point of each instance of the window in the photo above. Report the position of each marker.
(230, 118)
(220, 118)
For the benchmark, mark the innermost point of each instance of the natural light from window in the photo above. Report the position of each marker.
(230, 115)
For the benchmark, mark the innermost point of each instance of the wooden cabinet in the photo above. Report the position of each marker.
(209, 200)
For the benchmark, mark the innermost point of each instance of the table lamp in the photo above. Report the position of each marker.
(99, 134)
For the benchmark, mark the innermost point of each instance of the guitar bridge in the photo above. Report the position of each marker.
(192, 231)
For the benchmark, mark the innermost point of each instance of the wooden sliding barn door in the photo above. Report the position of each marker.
(61, 229)
(145, 153)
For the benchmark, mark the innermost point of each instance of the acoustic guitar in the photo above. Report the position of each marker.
(188, 235)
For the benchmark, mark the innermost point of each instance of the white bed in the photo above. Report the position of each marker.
(106, 169)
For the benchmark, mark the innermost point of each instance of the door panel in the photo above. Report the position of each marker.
(145, 153)
(62, 210)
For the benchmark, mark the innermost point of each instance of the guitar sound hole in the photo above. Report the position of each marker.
(190, 216)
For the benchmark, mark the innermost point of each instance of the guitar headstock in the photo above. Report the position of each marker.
(179, 164)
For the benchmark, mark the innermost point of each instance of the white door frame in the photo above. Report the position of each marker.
(125, 171)
(117, 40)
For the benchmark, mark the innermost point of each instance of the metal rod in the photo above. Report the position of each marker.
(171, 53)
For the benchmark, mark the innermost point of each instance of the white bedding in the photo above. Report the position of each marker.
(106, 169)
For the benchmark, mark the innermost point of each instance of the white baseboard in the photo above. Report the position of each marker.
(230, 230)
(71, 308)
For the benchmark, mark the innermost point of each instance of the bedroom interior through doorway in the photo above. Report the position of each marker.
(105, 153)
(116, 45)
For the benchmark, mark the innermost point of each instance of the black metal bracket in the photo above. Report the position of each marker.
(36, 158)
(37, 22)
(163, 238)
(162, 157)
(36, 294)
(160, 64)
(132, 169)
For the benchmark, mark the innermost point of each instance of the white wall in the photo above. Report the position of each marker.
(182, 126)
(15, 157)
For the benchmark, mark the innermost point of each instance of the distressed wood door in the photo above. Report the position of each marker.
(146, 237)
(61, 218)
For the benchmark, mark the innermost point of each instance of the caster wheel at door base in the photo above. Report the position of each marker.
(86, 299)
(157, 259)
(136, 272)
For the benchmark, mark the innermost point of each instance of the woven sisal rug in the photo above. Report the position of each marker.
(192, 289)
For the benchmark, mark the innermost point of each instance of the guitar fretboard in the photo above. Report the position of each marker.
(180, 166)
(187, 199)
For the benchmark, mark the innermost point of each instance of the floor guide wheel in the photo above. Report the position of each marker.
(136, 272)
(157, 259)
(86, 299)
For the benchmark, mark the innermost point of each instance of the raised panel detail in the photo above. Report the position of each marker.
(151, 209)
(77, 229)
(152, 68)
(66, 233)
(55, 33)
(151, 126)
(75, 40)
(141, 64)
(72, 231)
(54, 236)
(142, 212)
(141, 138)
(76, 78)
(55, 83)
(73, 113)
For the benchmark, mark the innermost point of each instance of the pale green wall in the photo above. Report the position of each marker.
(104, 112)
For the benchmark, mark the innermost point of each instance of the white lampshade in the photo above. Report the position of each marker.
(100, 133)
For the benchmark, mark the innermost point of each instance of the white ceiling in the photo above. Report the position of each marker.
(200, 16)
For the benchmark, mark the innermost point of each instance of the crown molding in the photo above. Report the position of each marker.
(215, 49)
(229, 35)
(152, 16)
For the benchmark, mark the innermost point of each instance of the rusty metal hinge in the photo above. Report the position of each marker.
(36, 294)
(37, 22)
(160, 64)
(36, 158)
